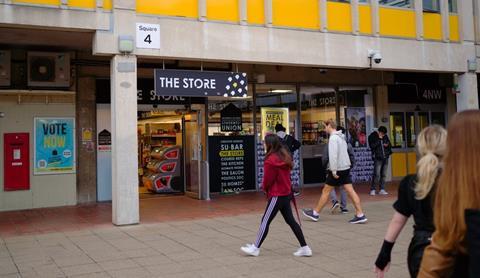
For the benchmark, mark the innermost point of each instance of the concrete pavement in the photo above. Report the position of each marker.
(207, 248)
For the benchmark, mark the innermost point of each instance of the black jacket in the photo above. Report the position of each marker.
(291, 143)
(376, 145)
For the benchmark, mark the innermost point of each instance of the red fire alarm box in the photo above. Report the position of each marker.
(16, 167)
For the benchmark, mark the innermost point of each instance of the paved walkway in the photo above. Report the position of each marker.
(206, 247)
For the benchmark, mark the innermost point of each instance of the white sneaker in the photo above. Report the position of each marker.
(304, 251)
(383, 192)
(250, 250)
(372, 193)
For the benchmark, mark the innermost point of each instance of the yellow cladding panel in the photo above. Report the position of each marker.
(224, 10)
(39, 2)
(432, 26)
(107, 4)
(297, 14)
(365, 17)
(454, 34)
(84, 4)
(339, 17)
(412, 162)
(181, 8)
(399, 165)
(256, 11)
(397, 22)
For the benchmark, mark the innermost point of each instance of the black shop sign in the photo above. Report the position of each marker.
(231, 118)
(412, 93)
(232, 163)
(189, 83)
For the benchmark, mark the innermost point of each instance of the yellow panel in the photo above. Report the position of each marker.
(39, 2)
(225, 10)
(182, 8)
(299, 13)
(365, 17)
(397, 22)
(454, 34)
(107, 4)
(399, 165)
(256, 11)
(339, 17)
(412, 162)
(432, 26)
(84, 4)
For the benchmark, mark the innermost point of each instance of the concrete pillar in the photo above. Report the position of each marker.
(268, 9)
(468, 96)
(125, 203)
(445, 20)
(202, 10)
(419, 18)
(355, 17)
(466, 22)
(375, 17)
(322, 5)
(242, 8)
(86, 147)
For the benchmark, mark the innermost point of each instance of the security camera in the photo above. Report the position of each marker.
(374, 55)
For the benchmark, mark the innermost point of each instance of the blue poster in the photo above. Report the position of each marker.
(54, 146)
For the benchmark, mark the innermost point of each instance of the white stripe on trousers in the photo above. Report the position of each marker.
(266, 217)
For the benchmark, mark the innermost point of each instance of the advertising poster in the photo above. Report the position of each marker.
(54, 146)
(272, 116)
(356, 126)
(232, 163)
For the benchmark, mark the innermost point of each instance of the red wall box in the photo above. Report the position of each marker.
(16, 169)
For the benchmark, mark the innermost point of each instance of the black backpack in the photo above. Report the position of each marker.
(290, 143)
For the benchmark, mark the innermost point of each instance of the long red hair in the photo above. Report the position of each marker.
(274, 146)
(459, 183)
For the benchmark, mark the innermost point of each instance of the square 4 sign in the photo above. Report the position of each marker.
(148, 35)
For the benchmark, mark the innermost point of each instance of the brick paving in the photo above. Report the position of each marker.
(194, 245)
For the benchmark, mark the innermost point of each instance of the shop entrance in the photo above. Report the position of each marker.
(171, 148)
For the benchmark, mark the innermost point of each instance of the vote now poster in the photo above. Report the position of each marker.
(271, 116)
(54, 146)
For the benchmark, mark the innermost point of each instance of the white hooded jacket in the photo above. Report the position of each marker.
(338, 153)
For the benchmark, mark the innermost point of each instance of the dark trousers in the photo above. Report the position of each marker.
(379, 173)
(274, 205)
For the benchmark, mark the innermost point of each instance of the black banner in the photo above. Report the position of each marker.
(231, 118)
(232, 163)
(411, 93)
(192, 83)
(104, 138)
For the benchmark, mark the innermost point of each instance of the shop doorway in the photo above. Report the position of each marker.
(171, 151)
(404, 129)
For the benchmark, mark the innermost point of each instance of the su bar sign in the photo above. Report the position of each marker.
(16, 167)
(200, 83)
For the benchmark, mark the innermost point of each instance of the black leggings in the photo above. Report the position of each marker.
(274, 205)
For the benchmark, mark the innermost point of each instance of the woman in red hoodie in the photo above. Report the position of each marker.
(277, 186)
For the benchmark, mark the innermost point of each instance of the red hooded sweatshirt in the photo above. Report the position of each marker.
(276, 177)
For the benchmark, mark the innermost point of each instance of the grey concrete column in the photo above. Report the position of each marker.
(242, 11)
(445, 20)
(466, 21)
(355, 17)
(419, 18)
(202, 10)
(268, 9)
(375, 17)
(476, 18)
(322, 6)
(85, 106)
(468, 96)
(125, 203)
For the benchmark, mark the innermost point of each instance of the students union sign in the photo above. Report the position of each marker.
(200, 83)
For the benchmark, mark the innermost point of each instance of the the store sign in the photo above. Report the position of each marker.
(411, 93)
(232, 163)
(200, 83)
(271, 116)
(148, 35)
(54, 146)
(231, 118)
(104, 141)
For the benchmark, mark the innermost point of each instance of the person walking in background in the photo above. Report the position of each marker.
(457, 194)
(381, 151)
(415, 198)
(276, 184)
(343, 194)
(338, 174)
(292, 145)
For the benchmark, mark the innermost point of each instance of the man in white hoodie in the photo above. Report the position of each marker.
(338, 174)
